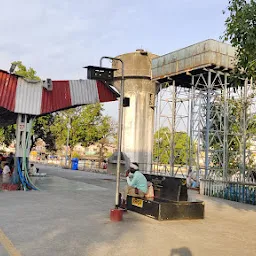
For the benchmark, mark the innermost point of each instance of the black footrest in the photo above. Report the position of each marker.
(162, 209)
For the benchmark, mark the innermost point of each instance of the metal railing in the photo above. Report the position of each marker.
(164, 169)
(83, 164)
(244, 192)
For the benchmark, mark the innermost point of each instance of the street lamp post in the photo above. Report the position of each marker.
(69, 127)
(120, 128)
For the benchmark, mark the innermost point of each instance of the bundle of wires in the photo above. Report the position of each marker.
(25, 179)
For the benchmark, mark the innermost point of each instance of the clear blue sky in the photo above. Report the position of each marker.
(58, 37)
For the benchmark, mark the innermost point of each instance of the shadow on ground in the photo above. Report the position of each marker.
(183, 251)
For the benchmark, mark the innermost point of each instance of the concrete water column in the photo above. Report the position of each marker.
(138, 118)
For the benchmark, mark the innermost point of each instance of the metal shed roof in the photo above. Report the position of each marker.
(17, 95)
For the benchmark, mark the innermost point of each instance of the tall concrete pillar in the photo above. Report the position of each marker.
(138, 120)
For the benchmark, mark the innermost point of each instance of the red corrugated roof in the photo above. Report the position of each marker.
(8, 85)
(58, 98)
(20, 96)
(106, 94)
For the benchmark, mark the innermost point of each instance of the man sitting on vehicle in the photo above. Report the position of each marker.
(137, 185)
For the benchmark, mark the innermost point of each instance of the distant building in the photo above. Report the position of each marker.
(94, 149)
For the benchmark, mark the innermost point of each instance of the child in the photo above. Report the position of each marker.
(6, 173)
(32, 170)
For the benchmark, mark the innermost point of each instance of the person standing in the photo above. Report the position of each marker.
(10, 161)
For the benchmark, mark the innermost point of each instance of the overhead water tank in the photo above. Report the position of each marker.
(138, 118)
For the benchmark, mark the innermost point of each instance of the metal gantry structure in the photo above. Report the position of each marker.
(220, 119)
(172, 116)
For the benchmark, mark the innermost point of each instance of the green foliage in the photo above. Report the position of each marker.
(241, 32)
(7, 134)
(41, 126)
(162, 152)
(42, 130)
(234, 135)
(88, 125)
(108, 154)
(1, 135)
(102, 143)
(75, 155)
(28, 73)
(234, 125)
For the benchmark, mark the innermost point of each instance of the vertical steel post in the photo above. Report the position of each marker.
(159, 125)
(191, 118)
(15, 176)
(207, 132)
(172, 138)
(225, 137)
(198, 134)
(66, 157)
(244, 128)
(156, 129)
(120, 129)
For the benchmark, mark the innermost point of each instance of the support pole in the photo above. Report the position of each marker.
(172, 138)
(67, 145)
(225, 139)
(23, 145)
(191, 118)
(120, 129)
(19, 127)
(207, 132)
(158, 128)
(244, 128)
(198, 134)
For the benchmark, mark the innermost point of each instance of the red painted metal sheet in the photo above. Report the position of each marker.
(57, 99)
(105, 93)
(8, 85)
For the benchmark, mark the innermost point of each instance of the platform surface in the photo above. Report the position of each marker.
(70, 217)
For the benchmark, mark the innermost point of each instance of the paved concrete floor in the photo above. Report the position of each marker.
(3, 252)
(70, 216)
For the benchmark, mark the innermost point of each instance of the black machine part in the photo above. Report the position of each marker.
(170, 188)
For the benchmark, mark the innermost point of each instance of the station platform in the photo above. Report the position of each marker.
(70, 216)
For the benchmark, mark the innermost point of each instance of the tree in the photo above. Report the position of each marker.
(42, 130)
(41, 125)
(241, 33)
(110, 136)
(87, 126)
(216, 134)
(29, 73)
(161, 148)
(7, 134)
(235, 132)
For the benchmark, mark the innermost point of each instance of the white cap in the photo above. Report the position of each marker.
(134, 166)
